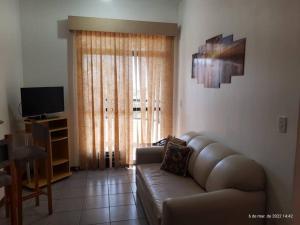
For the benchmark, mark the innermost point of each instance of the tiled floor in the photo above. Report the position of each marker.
(89, 198)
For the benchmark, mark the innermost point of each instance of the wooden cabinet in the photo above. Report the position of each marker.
(59, 147)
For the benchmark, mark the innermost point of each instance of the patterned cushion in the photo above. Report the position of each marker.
(175, 140)
(176, 159)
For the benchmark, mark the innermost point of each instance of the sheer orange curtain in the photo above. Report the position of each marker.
(124, 94)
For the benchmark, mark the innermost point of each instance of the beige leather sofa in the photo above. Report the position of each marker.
(224, 188)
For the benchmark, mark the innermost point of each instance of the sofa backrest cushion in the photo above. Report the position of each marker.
(197, 144)
(189, 136)
(236, 171)
(207, 159)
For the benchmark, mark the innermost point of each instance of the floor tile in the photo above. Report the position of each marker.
(133, 187)
(133, 176)
(120, 174)
(29, 208)
(96, 181)
(120, 188)
(88, 198)
(119, 213)
(36, 220)
(65, 218)
(131, 171)
(96, 174)
(121, 199)
(96, 190)
(79, 174)
(118, 179)
(94, 216)
(96, 202)
(70, 183)
(71, 204)
(132, 179)
(113, 171)
(135, 197)
(131, 222)
(75, 192)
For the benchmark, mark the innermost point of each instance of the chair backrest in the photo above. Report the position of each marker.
(20, 138)
(17, 140)
(40, 135)
(22, 146)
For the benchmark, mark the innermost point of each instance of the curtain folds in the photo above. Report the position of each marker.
(124, 94)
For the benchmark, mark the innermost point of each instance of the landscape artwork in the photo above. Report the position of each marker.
(218, 60)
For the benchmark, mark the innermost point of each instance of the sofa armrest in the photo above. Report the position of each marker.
(149, 155)
(226, 207)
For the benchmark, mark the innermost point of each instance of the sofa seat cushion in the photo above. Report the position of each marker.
(161, 185)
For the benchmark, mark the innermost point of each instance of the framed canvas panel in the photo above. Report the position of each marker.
(218, 60)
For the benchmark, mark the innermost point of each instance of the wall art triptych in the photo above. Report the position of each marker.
(218, 60)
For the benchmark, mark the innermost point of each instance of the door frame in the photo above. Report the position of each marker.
(296, 198)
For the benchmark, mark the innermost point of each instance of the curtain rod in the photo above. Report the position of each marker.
(121, 26)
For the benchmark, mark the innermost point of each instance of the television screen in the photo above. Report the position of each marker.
(42, 100)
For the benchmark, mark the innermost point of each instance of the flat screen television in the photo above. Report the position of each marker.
(39, 101)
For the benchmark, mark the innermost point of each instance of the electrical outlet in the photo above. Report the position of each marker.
(282, 124)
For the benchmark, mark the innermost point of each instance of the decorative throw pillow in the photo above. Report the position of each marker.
(176, 159)
(174, 140)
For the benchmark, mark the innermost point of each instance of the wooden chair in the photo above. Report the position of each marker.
(10, 209)
(40, 135)
(22, 151)
(7, 182)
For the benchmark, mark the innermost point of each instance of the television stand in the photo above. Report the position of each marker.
(59, 146)
(41, 117)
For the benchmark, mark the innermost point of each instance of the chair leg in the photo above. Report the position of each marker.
(18, 196)
(10, 205)
(36, 181)
(49, 189)
(7, 198)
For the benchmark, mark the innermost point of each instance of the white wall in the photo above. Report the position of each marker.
(10, 66)
(45, 35)
(243, 114)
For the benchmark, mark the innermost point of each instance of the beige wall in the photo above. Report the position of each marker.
(10, 66)
(243, 114)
